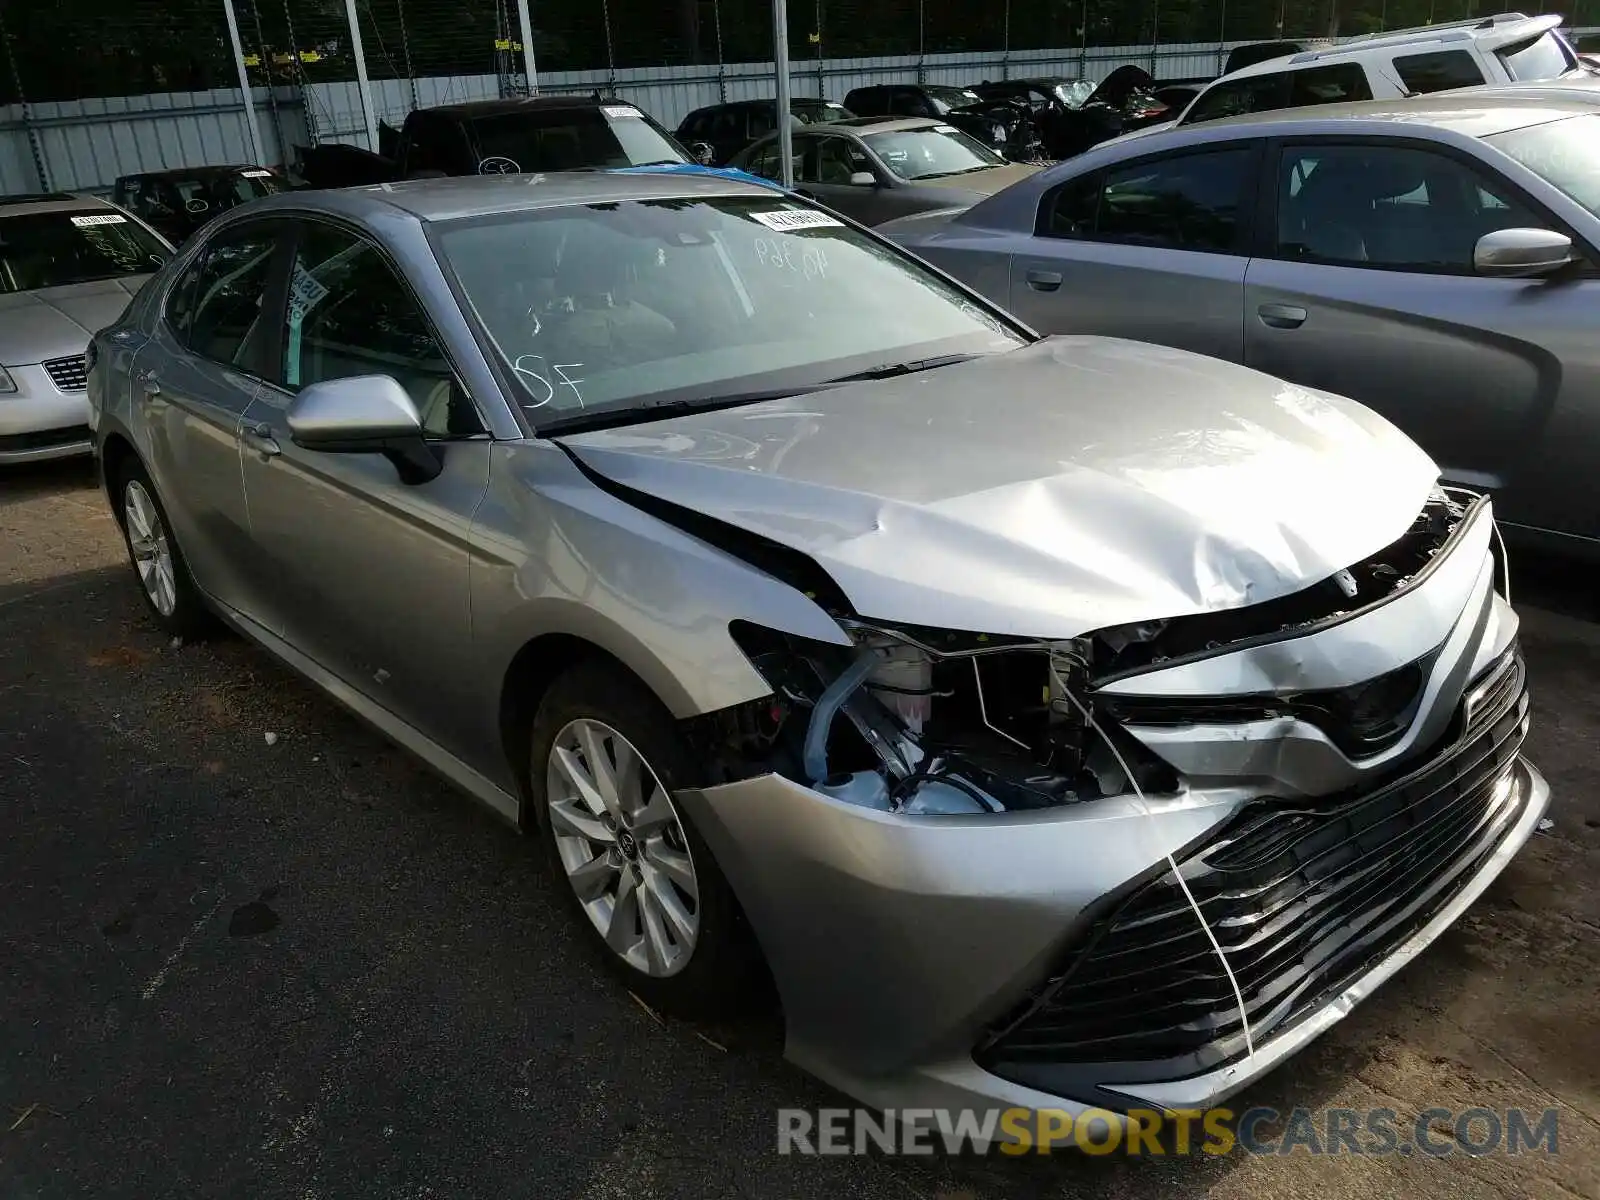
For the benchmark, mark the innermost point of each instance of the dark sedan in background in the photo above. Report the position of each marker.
(179, 201)
(874, 169)
(729, 128)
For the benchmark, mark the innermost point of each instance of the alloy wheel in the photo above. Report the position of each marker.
(622, 847)
(152, 553)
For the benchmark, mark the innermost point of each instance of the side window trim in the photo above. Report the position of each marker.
(1244, 235)
(1265, 244)
(294, 232)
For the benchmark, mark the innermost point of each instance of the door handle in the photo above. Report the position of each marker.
(1281, 316)
(259, 438)
(148, 381)
(1044, 281)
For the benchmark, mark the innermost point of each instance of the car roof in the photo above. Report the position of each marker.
(194, 172)
(455, 197)
(1446, 117)
(47, 202)
(770, 102)
(516, 104)
(1493, 32)
(866, 125)
(1478, 112)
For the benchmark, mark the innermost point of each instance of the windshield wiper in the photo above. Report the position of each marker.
(661, 410)
(889, 370)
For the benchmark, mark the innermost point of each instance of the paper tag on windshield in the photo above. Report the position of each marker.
(621, 110)
(945, 129)
(100, 219)
(256, 174)
(789, 219)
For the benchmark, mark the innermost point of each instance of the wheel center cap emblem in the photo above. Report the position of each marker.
(627, 845)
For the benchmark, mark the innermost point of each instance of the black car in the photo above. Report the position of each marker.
(178, 202)
(960, 107)
(1066, 116)
(729, 128)
(501, 137)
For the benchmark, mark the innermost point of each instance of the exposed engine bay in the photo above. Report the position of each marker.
(915, 720)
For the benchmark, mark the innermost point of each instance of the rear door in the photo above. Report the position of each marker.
(1152, 250)
(1364, 285)
(194, 379)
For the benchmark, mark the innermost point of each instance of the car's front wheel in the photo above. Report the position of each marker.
(163, 575)
(606, 759)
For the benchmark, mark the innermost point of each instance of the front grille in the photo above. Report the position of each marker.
(68, 374)
(1302, 900)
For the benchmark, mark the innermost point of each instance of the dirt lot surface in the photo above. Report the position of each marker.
(310, 969)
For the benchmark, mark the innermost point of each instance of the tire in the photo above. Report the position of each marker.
(158, 564)
(597, 708)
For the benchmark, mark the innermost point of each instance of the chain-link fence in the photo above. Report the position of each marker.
(87, 48)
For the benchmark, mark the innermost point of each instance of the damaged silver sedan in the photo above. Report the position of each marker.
(1060, 722)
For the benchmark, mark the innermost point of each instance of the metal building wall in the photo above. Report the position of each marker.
(86, 144)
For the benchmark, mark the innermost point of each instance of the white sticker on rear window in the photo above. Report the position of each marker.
(621, 110)
(256, 174)
(944, 129)
(789, 219)
(100, 219)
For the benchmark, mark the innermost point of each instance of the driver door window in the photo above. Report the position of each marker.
(837, 159)
(1389, 207)
(349, 314)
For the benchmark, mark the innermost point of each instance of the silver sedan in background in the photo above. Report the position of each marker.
(1061, 723)
(874, 169)
(1436, 258)
(68, 266)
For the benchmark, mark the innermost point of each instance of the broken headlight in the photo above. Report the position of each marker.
(921, 720)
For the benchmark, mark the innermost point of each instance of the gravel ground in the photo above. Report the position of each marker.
(310, 969)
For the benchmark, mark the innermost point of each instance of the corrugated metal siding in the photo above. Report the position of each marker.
(86, 144)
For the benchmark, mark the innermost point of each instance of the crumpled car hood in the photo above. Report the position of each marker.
(1067, 486)
(58, 322)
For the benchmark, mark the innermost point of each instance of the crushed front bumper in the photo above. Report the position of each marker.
(900, 946)
(1047, 959)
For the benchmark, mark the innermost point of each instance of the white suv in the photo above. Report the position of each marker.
(1510, 48)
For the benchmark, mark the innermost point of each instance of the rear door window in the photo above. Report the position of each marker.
(1437, 71)
(1195, 201)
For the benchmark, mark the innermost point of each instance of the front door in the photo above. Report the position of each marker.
(371, 571)
(1153, 250)
(1367, 289)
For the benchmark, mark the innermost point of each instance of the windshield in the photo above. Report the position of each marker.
(1563, 153)
(1075, 92)
(612, 135)
(930, 153)
(612, 307)
(51, 249)
(946, 98)
(1544, 57)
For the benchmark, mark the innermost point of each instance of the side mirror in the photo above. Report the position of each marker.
(364, 414)
(1522, 253)
(704, 153)
(863, 179)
